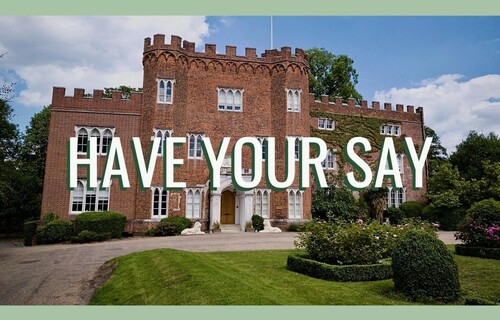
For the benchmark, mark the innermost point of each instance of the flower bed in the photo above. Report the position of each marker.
(345, 273)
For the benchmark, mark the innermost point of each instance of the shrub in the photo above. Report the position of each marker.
(48, 217)
(302, 264)
(296, 227)
(482, 225)
(486, 212)
(411, 209)
(449, 219)
(29, 231)
(424, 268)
(90, 236)
(489, 253)
(101, 222)
(257, 222)
(55, 231)
(171, 226)
(334, 203)
(395, 215)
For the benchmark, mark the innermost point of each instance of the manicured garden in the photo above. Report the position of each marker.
(171, 277)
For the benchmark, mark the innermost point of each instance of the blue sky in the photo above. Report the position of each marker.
(448, 65)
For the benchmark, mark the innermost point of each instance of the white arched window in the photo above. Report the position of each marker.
(262, 202)
(293, 100)
(107, 136)
(83, 138)
(263, 143)
(165, 91)
(294, 204)
(193, 203)
(161, 134)
(296, 147)
(195, 151)
(330, 161)
(395, 197)
(230, 99)
(87, 199)
(104, 136)
(160, 203)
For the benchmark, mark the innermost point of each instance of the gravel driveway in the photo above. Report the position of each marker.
(60, 274)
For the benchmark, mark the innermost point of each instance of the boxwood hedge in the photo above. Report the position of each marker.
(101, 222)
(55, 231)
(346, 273)
(489, 253)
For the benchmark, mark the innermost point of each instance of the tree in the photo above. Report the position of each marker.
(376, 200)
(437, 153)
(334, 203)
(332, 75)
(6, 88)
(471, 153)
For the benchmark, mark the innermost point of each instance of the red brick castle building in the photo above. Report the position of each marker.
(194, 94)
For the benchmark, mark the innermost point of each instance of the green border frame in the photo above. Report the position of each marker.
(256, 7)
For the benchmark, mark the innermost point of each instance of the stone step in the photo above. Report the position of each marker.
(230, 228)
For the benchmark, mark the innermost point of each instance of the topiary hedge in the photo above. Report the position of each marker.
(257, 222)
(170, 226)
(411, 209)
(424, 268)
(320, 270)
(101, 222)
(55, 231)
(29, 231)
(90, 236)
(489, 253)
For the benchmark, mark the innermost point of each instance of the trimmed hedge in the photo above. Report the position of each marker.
(55, 231)
(347, 273)
(170, 226)
(257, 222)
(424, 268)
(488, 253)
(411, 209)
(90, 236)
(101, 222)
(29, 231)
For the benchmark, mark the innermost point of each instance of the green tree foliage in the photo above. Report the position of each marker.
(333, 75)
(473, 151)
(6, 88)
(125, 90)
(334, 203)
(437, 153)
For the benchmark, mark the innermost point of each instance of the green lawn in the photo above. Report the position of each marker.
(171, 277)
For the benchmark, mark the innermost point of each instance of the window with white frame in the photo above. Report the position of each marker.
(195, 151)
(261, 197)
(230, 99)
(326, 124)
(165, 90)
(160, 203)
(395, 197)
(193, 203)
(296, 147)
(87, 199)
(293, 100)
(162, 134)
(390, 130)
(399, 158)
(330, 162)
(295, 204)
(103, 136)
(263, 144)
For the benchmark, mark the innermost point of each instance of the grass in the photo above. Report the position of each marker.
(171, 277)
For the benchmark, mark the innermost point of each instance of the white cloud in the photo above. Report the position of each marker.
(84, 52)
(453, 107)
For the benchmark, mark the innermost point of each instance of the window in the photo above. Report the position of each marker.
(262, 203)
(103, 136)
(330, 161)
(264, 147)
(86, 199)
(297, 147)
(165, 91)
(160, 203)
(162, 134)
(326, 124)
(293, 100)
(294, 204)
(399, 158)
(195, 151)
(230, 99)
(193, 203)
(395, 197)
(390, 130)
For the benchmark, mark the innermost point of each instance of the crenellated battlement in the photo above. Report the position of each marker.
(375, 109)
(188, 48)
(97, 101)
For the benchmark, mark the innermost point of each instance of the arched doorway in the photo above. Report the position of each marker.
(227, 208)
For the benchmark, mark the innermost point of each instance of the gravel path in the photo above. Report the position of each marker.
(60, 274)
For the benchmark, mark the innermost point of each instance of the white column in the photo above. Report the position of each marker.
(215, 202)
(247, 212)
